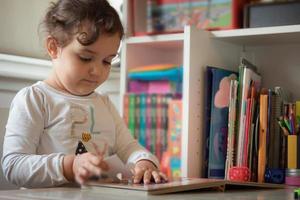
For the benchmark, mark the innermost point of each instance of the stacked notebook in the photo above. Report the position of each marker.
(180, 185)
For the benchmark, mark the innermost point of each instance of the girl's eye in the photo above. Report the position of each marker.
(106, 62)
(84, 59)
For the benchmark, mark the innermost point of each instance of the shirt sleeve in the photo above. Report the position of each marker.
(126, 147)
(20, 162)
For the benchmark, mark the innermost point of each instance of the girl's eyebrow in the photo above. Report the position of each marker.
(113, 55)
(93, 52)
(88, 50)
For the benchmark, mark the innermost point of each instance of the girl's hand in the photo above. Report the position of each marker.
(89, 164)
(145, 170)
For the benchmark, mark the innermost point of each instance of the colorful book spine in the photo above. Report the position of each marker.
(250, 102)
(254, 161)
(231, 127)
(131, 116)
(137, 116)
(174, 136)
(126, 109)
(148, 122)
(251, 124)
(168, 99)
(248, 76)
(159, 138)
(164, 122)
(143, 114)
(153, 123)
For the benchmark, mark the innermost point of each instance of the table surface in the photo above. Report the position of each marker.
(113, 194)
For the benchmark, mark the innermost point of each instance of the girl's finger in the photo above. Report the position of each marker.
(92, 169)
(156, 177)
(95, 160)
(138, 175)
(147, 177)
(83, 172)
(102, 153)
(79, 180)
(104, 166)
(81, 175)
(162, 175)
(98, 151)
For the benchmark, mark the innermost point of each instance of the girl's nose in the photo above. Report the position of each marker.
(95, 69)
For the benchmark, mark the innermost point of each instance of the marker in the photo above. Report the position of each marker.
(287, 124)
(282, 126)
(297, 194)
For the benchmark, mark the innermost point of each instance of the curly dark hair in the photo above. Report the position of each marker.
(65, 18)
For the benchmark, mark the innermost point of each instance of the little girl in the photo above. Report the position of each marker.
(53, 119)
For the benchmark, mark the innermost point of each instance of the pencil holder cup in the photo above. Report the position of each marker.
(275, 176)
(240, 174)
(292, 177)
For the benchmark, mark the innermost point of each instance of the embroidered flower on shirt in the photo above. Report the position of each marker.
(86, 136)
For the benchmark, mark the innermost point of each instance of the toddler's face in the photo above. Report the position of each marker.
(81, 69)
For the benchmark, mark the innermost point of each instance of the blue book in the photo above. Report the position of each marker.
(174, 74)
(220, 89)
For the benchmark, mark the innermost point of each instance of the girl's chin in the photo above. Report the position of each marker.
(82, 92)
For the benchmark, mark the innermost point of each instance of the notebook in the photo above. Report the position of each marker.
(179, 185)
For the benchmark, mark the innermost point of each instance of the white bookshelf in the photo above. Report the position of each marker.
(275, 51)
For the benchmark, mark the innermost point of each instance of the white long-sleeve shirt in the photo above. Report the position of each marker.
(45, 124)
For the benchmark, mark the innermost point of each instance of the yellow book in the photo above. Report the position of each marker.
(262, 149)
(292, 152)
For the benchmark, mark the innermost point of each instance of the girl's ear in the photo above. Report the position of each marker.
(52, 47)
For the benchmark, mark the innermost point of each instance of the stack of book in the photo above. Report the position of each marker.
(243, 136)
(152, 111)
(169, 16)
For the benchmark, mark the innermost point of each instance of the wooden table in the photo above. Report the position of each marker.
(111, 194)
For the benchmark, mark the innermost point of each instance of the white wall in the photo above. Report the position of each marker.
(19, 20)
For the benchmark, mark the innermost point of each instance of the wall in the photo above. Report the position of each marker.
(19, 20)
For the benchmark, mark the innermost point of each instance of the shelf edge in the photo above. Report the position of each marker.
(256, 31)
(155, 38)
